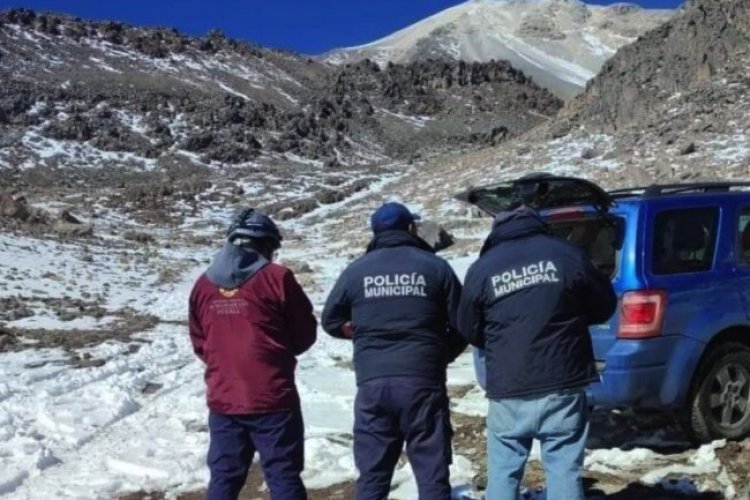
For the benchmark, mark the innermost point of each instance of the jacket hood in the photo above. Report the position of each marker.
(396, 238)
(233, 266)
(513, 225)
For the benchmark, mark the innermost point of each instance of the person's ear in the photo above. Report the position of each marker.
(413, 229)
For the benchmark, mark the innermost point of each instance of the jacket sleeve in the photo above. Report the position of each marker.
(471, 311)
(197, 335)
(480, 367)
(338, 309)
(298, 312)
(600, 300)
(456, 342)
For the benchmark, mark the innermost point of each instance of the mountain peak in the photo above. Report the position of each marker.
(561, 44)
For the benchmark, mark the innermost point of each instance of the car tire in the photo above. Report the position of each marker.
(719, 404)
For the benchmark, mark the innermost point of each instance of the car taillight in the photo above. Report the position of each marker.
(642, 314)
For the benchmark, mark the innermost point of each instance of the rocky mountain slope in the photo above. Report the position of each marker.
(561, 44)
(78, 94)
(673, 106)
(706, 46)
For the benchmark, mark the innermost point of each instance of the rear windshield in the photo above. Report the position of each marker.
(595, 235)
(540, 194)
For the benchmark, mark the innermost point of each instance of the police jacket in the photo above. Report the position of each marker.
(528, 301)
(402, 301)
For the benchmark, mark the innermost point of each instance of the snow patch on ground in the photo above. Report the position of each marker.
(704, 461)
(566, 70)
(230, 90)
(106, 67)
(597, 45)
(610, 461)
(565, 157)
(45, 320)
(78, 154)
(414, 121)
(730, 150)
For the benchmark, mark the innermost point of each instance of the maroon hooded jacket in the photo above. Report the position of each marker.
(248, 336)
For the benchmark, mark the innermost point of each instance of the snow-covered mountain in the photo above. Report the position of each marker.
(123, 152)
(561, 44)
(77, 94)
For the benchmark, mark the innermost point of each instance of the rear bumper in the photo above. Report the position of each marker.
(653, 373)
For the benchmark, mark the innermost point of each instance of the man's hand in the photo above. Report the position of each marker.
(347, 330)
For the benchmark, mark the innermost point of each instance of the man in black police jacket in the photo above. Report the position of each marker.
(528, 301)
(399, 303)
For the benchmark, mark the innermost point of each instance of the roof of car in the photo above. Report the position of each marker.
(692, 188)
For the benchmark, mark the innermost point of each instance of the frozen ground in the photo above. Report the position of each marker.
(137, 421)
(127, 414)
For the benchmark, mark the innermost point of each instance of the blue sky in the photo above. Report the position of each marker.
(307, 26)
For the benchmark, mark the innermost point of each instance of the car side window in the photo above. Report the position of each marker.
(684, 240)
(743, 237)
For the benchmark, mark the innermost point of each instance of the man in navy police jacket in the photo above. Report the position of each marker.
(528, 302)
(399, 304)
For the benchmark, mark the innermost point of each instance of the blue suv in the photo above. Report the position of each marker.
(679, 258)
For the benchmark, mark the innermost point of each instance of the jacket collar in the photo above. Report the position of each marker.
(395, 238)
(514, 225)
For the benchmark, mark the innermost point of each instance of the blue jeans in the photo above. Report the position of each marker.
(559, 421)
(278, 438)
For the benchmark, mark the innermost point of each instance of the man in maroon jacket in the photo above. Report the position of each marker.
(249, 318)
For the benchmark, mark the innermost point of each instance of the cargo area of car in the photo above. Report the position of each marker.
(595, 234)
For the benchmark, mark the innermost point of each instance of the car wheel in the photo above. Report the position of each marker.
(720, 399)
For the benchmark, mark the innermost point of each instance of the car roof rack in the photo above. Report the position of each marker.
(682, 188)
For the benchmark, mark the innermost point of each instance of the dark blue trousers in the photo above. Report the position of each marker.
(393, 410)
(278, 438)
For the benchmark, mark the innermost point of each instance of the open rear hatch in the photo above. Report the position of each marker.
(576, 210)
(541, 192)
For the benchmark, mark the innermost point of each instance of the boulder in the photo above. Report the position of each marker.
(688, 149)
(15, 207)
(66, 216)
(7, 339)
(68, 226)
(72, 230)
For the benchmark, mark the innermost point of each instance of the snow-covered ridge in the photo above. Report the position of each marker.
(560, 43)
(229, 67)
(96, 94)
